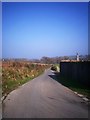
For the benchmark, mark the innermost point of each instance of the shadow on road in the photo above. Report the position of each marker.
(55, 76)
(72, 84)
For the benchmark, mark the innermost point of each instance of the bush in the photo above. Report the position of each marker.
(54, 68)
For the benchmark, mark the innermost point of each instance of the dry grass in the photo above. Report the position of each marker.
(17, 73)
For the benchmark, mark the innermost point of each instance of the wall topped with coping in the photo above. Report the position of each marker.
(79, 71)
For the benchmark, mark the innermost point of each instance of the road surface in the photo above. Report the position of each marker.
(0, 110)
(44, 97)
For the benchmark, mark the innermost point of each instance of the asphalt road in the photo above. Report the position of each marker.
(44, 97)
(0, 110)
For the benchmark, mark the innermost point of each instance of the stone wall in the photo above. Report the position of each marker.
(79, 71)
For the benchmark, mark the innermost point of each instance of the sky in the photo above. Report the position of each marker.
(37, 29)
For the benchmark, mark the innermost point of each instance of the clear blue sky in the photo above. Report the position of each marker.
(33, 30)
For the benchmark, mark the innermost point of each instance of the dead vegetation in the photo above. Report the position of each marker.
(16, 73)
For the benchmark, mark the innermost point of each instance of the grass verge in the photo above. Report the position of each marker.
(11, 85)
(74, 85)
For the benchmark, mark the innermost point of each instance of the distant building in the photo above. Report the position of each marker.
(3, 60)
(77, 57)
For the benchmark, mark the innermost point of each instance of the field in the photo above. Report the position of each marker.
(16, 73)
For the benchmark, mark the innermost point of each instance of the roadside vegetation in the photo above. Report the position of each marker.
(16, 73)
(73, 85)
(55, 67)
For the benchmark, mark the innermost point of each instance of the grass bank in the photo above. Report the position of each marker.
(15, 74)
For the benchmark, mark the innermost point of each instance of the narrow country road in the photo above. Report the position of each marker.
(44, 97)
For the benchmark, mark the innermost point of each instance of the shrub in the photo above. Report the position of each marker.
(54, 68)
